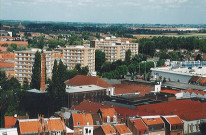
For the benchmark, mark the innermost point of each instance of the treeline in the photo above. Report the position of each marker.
(119, 68)
(113, 29)
(148, 46)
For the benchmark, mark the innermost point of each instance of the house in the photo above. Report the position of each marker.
(155, 124)
(108, 115)
(8, 131)
(137, 126)
(173, 125)
(82, 124)
(77, 94)
(41, 125)
(122, 129)
(178, 94)
(105, 130)
(80, 80)
(10, 121)
(97, 121)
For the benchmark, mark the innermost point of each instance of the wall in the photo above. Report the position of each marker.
(191, 126)
(173, 77)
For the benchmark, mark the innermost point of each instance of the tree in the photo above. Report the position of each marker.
(52, 43)
(99, 59)
(84, 70)
(78, 68)
(198, 57)
(127, 57)
(25, 84)
(122, 70)
(41, 42)
(36, 72)
(132, 68)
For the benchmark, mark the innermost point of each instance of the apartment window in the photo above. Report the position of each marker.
(145, 132)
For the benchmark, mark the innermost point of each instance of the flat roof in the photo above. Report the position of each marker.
(83, 88)
(198, 71)
(36, 91)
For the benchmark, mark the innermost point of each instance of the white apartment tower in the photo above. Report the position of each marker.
(85, 56)
(23, 63)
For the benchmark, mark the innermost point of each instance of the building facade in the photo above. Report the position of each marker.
(85, 56)
(114, 49)
(23, 63)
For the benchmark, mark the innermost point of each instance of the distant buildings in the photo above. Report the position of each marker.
(85, 56)
(114, 48)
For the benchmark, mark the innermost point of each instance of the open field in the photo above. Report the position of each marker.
(171, 35)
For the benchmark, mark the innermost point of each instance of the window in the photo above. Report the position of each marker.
(151, 128)
(78, 123)
(108, 119)
(145, 132)
(86, 130)
(140, 133)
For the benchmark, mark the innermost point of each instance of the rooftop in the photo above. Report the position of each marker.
(83, 88)
(108, 129)
(122, 129)
(80, 80)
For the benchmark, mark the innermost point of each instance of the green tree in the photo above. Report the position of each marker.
(25, 84)
(36, 72)
(41, 42)
(78, 68)
(203, 128)
(99, 59)
(84, 70)
(127, 57)
(52, 43)
(132, 68)
(122, 70)
(198, 57)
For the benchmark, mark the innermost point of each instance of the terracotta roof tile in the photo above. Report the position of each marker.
(9, 121)
(142, 89)
(83, 119)
(30, 126)
(173, 120)
(170, 91)
(122, 129)
(19, 43)
(88, 106)
(6, 64)
(80, 80)
(139, 124)
(153, 121)
(55, 124)
(108, 129)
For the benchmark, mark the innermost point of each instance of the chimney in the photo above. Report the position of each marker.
(42, 83)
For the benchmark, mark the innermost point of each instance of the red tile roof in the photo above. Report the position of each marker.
(83, 119)
(173, 120)
(139, 124)
(182, 108)
(170, 91)
(7, 55)
(122, 129)
(30, 126)
(9, 121)
(55, 124)
(88, 106)
(80, 80)
(108, 129)
(152, 120)
(19, 43)
(126, 89)
(6, 64)
(108, 112)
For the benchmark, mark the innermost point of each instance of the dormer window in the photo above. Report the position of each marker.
(78, 123)
(114, 119)
(108, 119)
(148, 119)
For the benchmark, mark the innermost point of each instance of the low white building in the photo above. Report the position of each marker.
(8, 131)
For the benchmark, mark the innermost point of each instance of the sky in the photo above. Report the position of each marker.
(106, 11)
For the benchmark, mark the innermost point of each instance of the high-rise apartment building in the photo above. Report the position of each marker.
(85, 56)
(23, 63)
(114, 49)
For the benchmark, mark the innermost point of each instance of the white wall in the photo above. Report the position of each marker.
(190, 126)
(8, 131)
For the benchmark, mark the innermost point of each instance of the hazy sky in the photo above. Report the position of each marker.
(107, 11)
